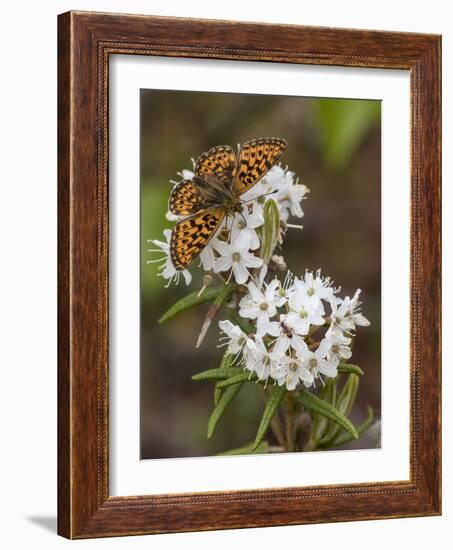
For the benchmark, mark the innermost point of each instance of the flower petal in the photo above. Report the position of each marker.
(240, 273)
(223, 264)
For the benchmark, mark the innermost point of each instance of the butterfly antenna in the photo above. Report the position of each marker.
(260, 196)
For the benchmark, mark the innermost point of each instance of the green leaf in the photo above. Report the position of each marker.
(344, 404)
(319, 406)
(247, 449)
(348, 394)
(243, 377)
(218, 374)
(320, 423)
(226, 361)
(343, 124)
(348, 368)
(278, 393)
(217, 393)
(229, 394)
(270, 230)
(344, 438)
(193, 299)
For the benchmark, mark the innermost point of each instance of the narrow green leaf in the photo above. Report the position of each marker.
(344, 404)
(247, 449)
(217, 393)
(278, 393)
(226, 361)
(218, 374)
(348, 394)
(228, 395)
(193, 299)
(243, 377)
(344, 438)
(348, 368)
(343, 129)
(270, 230)
(320, 423)
(323, 408)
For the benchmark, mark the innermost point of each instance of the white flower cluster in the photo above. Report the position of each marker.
(298, 329)
(233, 248)
(285, 318)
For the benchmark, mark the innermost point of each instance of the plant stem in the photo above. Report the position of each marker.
(311, 445)
(290, 423)
(212, 312)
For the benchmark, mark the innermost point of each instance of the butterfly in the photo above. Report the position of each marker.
(220, 178)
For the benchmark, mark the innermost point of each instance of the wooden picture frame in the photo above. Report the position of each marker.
(85, 41)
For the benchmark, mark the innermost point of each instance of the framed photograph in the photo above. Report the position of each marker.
(249, 275)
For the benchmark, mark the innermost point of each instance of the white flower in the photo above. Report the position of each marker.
(291, 371)
(348, 314)
(245, 223)
(315, 285)
(316, 363)
(187, 174)
(286, 286)
(207, 255)
(259, 360)
(277, 177)
(305, 311)
(289, 195)
(168, 270)
(335, 346)
(235, 257)
(184, 175)
(237, 339)
(260, 192)
(173, 217)
(286, 337)
(261, 305)
(280, 185)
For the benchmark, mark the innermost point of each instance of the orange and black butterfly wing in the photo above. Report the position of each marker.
(219, 162)
(191, 235)
(185, 199)
(256, 158)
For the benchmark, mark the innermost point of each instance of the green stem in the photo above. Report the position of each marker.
(290, 423)
(311, 445)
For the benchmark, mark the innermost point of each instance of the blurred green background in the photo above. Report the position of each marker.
(334, 146)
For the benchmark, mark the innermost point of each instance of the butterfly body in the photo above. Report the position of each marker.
(214, 192)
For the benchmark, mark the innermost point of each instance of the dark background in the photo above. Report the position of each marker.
(334, 148)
